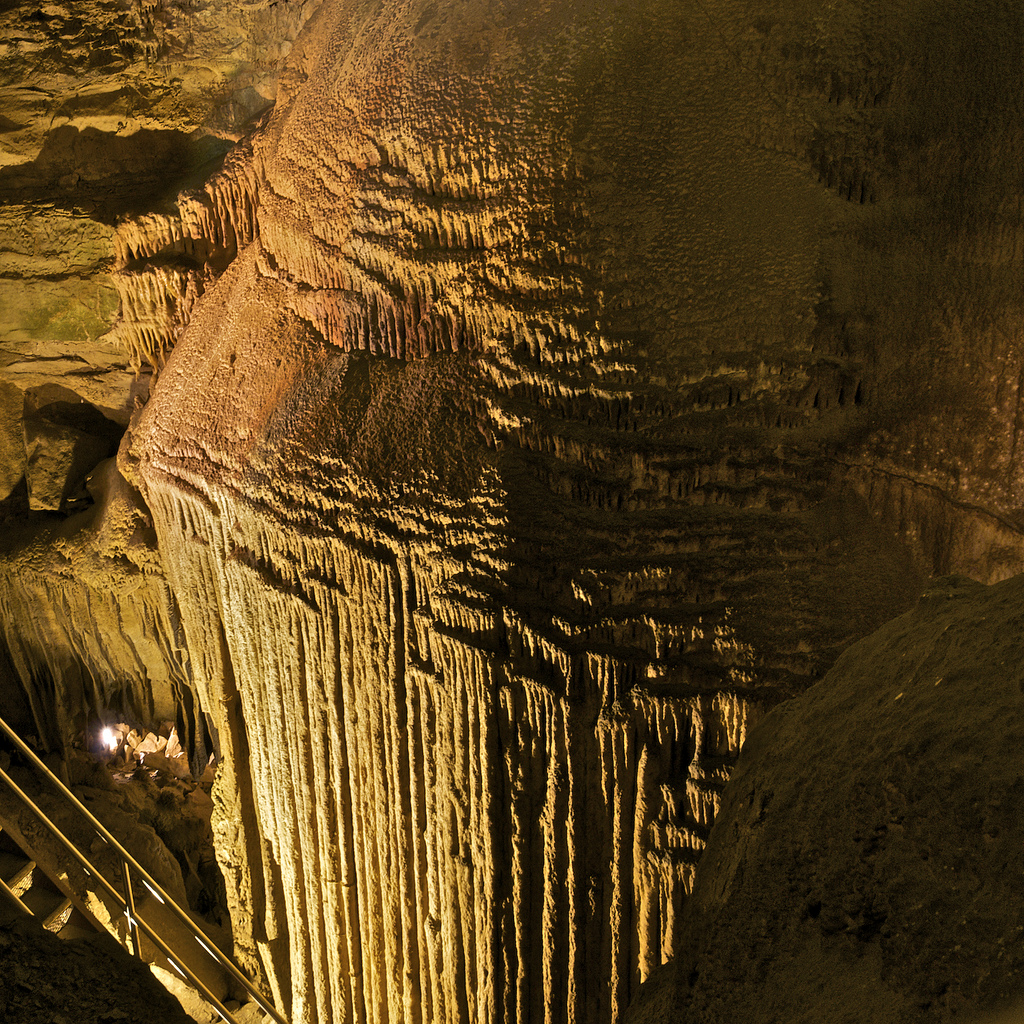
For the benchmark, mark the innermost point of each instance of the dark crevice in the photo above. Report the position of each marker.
(107, 176)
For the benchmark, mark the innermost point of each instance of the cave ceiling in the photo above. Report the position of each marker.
(511, 404)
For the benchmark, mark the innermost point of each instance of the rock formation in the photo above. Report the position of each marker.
(88, 619)
(109, 110)
(553, 391)
(866, 860)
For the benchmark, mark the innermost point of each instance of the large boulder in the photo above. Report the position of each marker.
(866, 864)
(63, 442)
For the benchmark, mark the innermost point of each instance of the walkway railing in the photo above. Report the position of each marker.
(127, 901)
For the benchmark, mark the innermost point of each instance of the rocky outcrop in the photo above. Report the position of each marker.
(166, 261)
(865, 861)
(571, 400)
(109, 111)
(45, 980)
(119, 809)
(90, 623)
(132, 65)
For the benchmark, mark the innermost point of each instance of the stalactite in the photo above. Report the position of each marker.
(165, 262)
(381, 783)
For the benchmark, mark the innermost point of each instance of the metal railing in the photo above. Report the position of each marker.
(127, 901)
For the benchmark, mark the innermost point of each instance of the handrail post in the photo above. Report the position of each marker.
(129, 898)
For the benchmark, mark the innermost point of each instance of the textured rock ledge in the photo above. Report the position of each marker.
(89, 622)
(109, 110)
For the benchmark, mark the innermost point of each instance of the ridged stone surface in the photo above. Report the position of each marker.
(578, 391)
(544, 392)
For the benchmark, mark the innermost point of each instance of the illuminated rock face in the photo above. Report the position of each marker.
(585, 383)
(107, 111)
(561, 389)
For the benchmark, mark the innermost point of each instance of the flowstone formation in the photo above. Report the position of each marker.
(583, 383)
(551, 392)
(866, 859)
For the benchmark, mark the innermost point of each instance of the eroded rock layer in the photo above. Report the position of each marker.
(109, 110)
(904, 905)
(451, 795)
(89, 621)
(552, 392)
(572, 397)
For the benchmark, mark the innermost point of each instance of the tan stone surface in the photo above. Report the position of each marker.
(116, 812)
(584, 379)
(63, 442)
(85, 606)
(120, 67)
(865, 862)
(12, 438)
(583, 393)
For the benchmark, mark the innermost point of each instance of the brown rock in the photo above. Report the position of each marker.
(12, 438)
(864, 864)
(85, 604)
(46, 980)
(63, 442)
(555, 422)
(109, 110)
(582, 380)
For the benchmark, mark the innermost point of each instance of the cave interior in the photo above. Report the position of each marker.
(510, 511)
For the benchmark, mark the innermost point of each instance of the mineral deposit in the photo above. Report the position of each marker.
(545, 392)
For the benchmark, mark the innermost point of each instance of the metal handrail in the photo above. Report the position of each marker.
(134, 923)
(127, 901)
(17, 900)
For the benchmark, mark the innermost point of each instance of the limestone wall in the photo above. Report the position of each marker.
(549, 428)
(550, 392)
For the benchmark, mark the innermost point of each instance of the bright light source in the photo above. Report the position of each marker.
(152, 890)
(109, 739)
